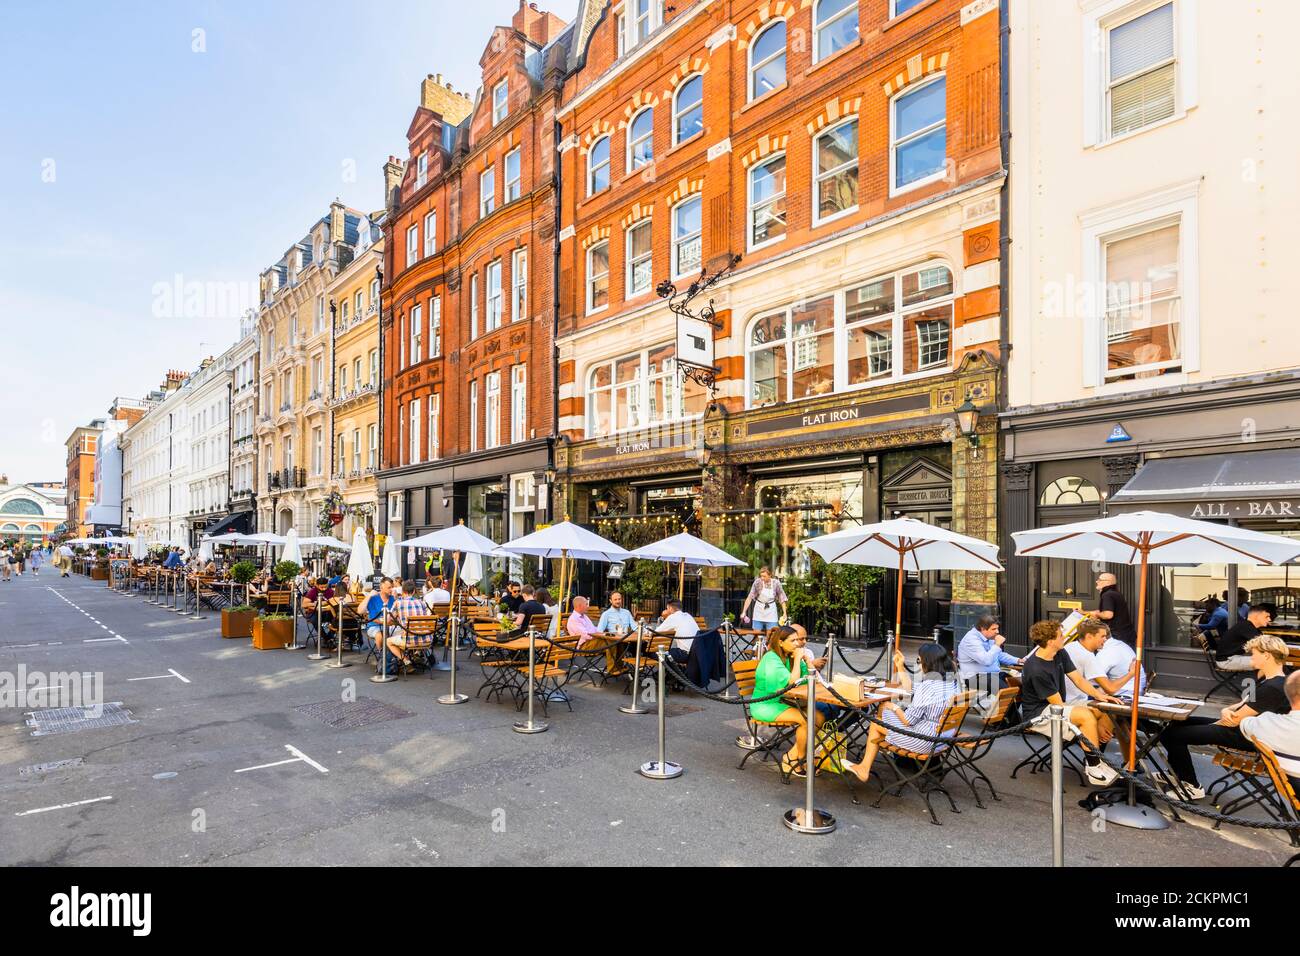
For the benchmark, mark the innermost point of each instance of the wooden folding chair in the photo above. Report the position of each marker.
(550, 674)
(931, 768)
(774, 738)
(1287, 801)
(966, 755)
(420, 633)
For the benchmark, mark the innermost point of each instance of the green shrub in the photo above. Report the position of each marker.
(243, 571)
(286, 570)
(241, 609)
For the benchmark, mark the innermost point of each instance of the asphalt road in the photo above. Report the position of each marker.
(189, 783)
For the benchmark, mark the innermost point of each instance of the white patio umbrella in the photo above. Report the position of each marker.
(292, 552)
(230, 537)
(360, 564)
(683, 549)
(139, 549)
(905, 544)
(1142, 538)
(324, 541)
(568, 542)
(473, 570)
(205, 550)
(388, 562)
(457, 539)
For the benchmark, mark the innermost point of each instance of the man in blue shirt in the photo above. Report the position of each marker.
(615, 616)
(173, 559)
(981, 658)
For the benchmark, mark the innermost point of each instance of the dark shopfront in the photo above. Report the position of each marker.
(769, 478)
(501, 494)
(1185, 454)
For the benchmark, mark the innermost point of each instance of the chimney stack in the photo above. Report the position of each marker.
(392, 182)
(438, 96)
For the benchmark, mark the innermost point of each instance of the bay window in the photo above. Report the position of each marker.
(638, 390)
(891, 327)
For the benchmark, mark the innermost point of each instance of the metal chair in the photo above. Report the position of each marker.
(931, 768)
(772, 739)
(1229, 679)
(966, 755)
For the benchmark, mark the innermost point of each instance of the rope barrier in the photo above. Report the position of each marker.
(870, 667)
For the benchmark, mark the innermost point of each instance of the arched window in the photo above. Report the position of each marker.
(1070, 490)
(9, 527)
(835, 26)
(640, 139)
(598, 166)
(21, 506)
(32, 527)
(767, 60)
(688, 109)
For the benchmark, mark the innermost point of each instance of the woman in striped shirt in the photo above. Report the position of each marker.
(935, 687)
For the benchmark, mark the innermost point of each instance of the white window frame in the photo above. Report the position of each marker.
(417, 323)
(374, 367)
(642, 387)
(678, 112)
(412, 245)
(473, 415)
(675, 241)
(473, 306)
(500, 102)
(1175, 203)
(632, 165)
(519, 285)
(751, 67)
(895, 142)
(492, 410)
(1098, 20)
(518, 403)
(839, 335)
(435, 326)
(435, 425)
(630, 263)
(372, 446)
(751, 209)
(590, 276)
(628, 21)
(856, 7)
(356, 449)
(494, 298)
(818, 175)
(421, 169)
(513, 187)
(487, 192)
(413, 430)
(431, 233)
(593, 166)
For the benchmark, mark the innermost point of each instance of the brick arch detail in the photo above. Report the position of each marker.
(687, 68)
(767, 144)
(780, 10)
(597, 234)
(916, 68)
(833, 112)
(643, 99)
(638, 212)
(685, 187)
(598, 129)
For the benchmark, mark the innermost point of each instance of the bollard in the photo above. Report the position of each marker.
(453, 635)
(830, 654)
(339, 662)
(531, 726)
(319, 655)
(889, 652)
(198, 601)
(185, 596)
(293, 610)
(661, 769)
(635, 707)
(383, 677)
(728, 674)
(1057, 717)
(154, 599)
(810, 819)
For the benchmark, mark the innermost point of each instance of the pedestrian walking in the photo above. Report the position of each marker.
(36, 561)
(65, 560)
(20, 559)
(766, 595)
(4, 563)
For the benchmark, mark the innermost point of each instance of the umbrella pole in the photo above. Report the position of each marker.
(898, 611)
(681, 578)
(1130, 814)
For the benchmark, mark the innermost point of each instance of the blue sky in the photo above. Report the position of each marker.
(128, 158)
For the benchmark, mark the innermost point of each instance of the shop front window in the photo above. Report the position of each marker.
(800, 507)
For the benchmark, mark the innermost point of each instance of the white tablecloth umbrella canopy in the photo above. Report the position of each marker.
(388, 562)
(360, 564)
(905, 544)
(292, 552)
(473, 570)
(568, 542)
(1151, 537)
(683, 549)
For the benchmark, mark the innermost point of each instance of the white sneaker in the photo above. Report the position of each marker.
(1176, 789)
(1102, 774)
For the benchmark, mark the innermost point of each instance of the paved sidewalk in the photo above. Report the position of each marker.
(222, 765)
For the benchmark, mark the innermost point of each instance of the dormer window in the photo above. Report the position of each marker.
(421, 170)
(500, 102)
(636, 21)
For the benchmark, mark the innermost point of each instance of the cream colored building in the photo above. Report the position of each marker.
(293, 427)
(1154, 214)
(354, 405)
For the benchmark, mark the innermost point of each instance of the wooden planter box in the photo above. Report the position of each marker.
(237, 623)
(272, 635)
(99, 573)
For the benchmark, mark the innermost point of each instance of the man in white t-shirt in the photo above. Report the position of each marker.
(435, 593)
(682, 626)
(1280, 733)
(1113, 662)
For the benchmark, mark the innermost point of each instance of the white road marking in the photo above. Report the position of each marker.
(170, 673)
(184, 680)
(116, 636)
(61, 806)
(298, 756)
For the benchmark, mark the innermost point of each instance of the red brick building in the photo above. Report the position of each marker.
(467, 320)
(848, 151)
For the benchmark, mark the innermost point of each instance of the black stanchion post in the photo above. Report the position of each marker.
(383, 677)
(320, 654)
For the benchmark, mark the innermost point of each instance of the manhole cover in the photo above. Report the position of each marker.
(40, 768)
(70, 720)
(360, 713)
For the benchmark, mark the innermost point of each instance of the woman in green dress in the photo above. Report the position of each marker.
(785, 645)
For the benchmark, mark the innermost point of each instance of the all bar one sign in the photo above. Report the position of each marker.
(1266, 508)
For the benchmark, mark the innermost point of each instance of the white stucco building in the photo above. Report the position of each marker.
(208, 407)
(156, 466)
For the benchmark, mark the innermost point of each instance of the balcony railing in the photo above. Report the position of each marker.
(286, 478)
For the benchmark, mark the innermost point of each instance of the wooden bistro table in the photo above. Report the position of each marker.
(1158, 718)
